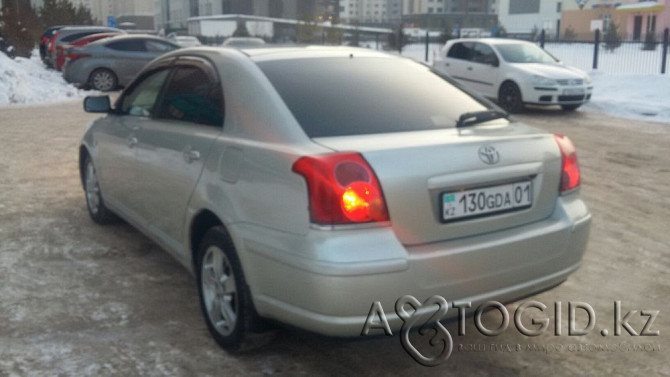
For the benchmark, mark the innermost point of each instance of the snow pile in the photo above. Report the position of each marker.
(27, 81)
(643, 97)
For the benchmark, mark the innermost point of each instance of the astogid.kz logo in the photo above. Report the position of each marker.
(426, 318)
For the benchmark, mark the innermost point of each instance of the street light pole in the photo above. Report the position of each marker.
(167, 17)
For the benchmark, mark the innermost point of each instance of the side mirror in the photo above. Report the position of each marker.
(97, 104)
(495, 63)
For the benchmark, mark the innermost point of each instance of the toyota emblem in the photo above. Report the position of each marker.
(489, 155)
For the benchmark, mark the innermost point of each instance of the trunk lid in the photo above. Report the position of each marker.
(416, 168)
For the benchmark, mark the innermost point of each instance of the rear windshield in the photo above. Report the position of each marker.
(356, 96)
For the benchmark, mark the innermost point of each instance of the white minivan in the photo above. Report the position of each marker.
(514, 73)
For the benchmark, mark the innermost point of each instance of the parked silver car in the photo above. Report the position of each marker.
(243, 42)
(113, 62)
(294, 192)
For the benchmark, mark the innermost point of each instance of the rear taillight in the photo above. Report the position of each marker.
(570, 175)
(343, 189)
(52, 42)
(73, 57)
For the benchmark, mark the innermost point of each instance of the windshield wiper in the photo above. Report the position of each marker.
(476, 117)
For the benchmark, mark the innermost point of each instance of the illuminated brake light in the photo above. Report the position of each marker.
(343, 189)
(570, 174)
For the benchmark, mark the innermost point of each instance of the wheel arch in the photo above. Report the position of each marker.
(200, 224)
(509, 80)
(83, 154)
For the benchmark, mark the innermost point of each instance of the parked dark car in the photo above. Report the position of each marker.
(109, 63)
(45, 39)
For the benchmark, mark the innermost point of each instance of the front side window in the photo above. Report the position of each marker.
(461, 51)
(191, 96)
(127, 45)
(142, 97)
(484, 54)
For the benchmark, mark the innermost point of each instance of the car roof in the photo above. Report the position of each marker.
(308, 51)
(493, 41)
(88, 28)
(137, 36)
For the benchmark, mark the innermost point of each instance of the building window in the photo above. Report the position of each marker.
(524, 6)
(559, 6)
(430, 10)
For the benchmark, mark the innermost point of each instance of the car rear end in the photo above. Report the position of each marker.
(63, 51)
(402, 202)
(80, 62)
(70, 34)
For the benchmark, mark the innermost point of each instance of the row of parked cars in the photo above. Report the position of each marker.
(101, 58)
(106, 58)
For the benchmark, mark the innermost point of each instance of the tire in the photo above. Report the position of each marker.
(94, 202)
(225, 298)
(509, 97)
(103, 79)
(570, 107)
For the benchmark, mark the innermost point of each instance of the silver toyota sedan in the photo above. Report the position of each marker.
(303, 184)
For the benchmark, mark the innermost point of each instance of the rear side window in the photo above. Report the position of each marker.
(461, 51)
(127, 45)
(191, 96)
(355, 96)
(158, 46)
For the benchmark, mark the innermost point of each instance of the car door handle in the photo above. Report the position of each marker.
(131, 141)
(469, 68)
(447, 64)
(191, 155)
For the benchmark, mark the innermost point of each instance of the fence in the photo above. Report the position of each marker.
(613, 55)
(595, 52)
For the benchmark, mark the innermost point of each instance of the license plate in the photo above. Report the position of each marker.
(574, 92)
(486, 201)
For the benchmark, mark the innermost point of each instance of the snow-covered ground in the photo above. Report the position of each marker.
(642, 97)
(27, 81)
(627, 59)
(633, 96)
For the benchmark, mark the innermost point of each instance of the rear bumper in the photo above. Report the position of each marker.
(75, 73)
(331, 292)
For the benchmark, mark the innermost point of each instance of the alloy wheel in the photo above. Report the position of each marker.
(219, 290)
(92, 189)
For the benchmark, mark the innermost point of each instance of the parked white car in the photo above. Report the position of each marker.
(514, 73)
